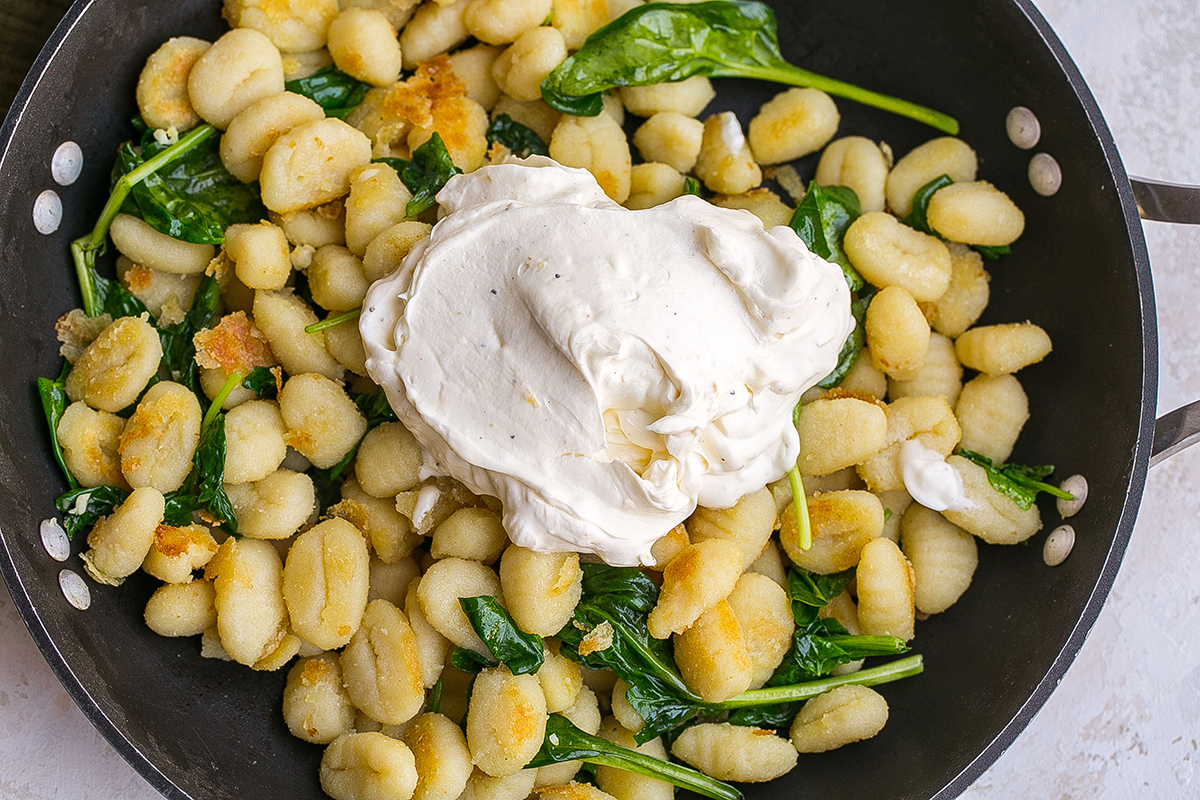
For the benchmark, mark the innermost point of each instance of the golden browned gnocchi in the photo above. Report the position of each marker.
(506, 721)
(162, 93)
(735, 752)
(838, 717)
(325, 582)
(241, 67)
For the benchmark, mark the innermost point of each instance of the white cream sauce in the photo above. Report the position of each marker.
(930, 480)
(601, 371)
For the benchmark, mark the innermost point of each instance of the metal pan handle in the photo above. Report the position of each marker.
(1171, 202)
(1167, 202)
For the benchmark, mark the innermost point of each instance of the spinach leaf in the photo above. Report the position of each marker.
(332, 89)
(204, 488)
(623, 597)
(1017, 482)
(919, 217)
(665, 42)
(375, 407)
(821, 221)
(261, 381)
(692, 186)
(101, 295)
(53, 394)
(178, 345)
(468, 661)
(565, 742)
(520, 139)
(193, 198)
(853, 345)
(519, 651)
(100, 502)
(426, 174)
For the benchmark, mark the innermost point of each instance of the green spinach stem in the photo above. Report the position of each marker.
(334, 321)
(85, 249)
(800, 503)
(885, 673)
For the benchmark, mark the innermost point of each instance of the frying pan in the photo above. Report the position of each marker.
(203, 729)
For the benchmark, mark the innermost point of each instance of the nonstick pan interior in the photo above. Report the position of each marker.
(206, 729)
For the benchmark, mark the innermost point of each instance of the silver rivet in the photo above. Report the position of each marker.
(66, 164)
(1058, 545)
(47, 211)
(74, 589)
(1077, 487)
(1023, 127)
(55, 540)
(1045, 176)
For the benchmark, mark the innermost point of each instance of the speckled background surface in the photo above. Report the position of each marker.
(1125, 722)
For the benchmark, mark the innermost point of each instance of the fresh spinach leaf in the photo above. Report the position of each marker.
(331, 89)
(692, 186)
(519, 651)
(520, 139)
(100, 502)
(821, 221)
(666, 42)
(53, 394)
(565, 742)
(178, 345)
(1019, 483)
(261, 381)
(426, 174)
(919, 217)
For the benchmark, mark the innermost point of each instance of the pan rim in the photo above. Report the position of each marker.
(109, 729)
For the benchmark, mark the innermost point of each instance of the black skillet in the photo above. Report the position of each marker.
(205, 729)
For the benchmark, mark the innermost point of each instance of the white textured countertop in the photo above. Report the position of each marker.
(1125, 722)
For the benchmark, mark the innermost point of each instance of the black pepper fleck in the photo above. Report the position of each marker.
(494, 291)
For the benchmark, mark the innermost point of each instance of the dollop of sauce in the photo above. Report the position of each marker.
(601, 371)
(930, 480)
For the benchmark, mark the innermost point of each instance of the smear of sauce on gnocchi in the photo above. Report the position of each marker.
(601, 371)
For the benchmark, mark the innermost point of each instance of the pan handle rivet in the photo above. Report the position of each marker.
(74, 589)
(47, 212)
(1058, 545)
(66, 163)
(1045, 176)
(1023, 127)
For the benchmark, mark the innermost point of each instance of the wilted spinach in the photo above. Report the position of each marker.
(178, 345)
(821, 221)
(519, 651)
(918, 217)
(100, 502)
(102, 295)
(818, 645)
(53, 394)
(426, 174)
(520, 139)
(853, 345)
(204, 488)
(1019, 483)
(331, 89)
(262, 381)
(665, 42)
(193, 197)
(565, 742)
